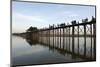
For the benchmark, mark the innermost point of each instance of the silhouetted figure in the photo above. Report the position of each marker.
(58, 25)
(68, 24)
(74, 22)
(84, 20)
(93, 19)
(50, 27)
(62, 25)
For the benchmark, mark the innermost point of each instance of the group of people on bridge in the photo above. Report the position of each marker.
(73, 23)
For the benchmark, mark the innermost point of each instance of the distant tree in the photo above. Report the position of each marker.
(32, 29)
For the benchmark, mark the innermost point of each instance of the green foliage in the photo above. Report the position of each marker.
(32, 29)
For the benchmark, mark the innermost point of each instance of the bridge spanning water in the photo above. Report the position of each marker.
(59, 36)
(56, 44)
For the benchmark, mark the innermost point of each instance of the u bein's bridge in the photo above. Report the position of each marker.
(76, 29)
(76, 38)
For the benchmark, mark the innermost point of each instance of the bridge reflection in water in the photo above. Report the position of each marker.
(65, 46)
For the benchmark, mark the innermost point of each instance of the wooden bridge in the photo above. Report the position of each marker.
(56, 36)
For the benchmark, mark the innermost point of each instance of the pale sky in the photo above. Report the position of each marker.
(26, 14)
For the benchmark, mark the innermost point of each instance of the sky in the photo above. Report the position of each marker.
(26, 14)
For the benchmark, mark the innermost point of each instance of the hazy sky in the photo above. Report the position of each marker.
(25, 14)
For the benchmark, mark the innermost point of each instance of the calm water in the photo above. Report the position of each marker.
(26, 51)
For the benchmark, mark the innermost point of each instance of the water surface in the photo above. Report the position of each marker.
(26, 51)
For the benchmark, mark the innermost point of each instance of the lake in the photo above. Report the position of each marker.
(51, 50)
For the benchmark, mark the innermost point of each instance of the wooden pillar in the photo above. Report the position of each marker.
(91, 40)
(63, 39)
(73, 39)
(94, 34)
(49, 35)
(60, 37)
(46, 39)
(53, 35)
(41, 36)
(69, 38)
(84, 40)
(78, 39)
(66, 38)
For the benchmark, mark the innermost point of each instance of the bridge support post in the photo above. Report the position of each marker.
(69, 38)
(60, 37)
(78, 39)
(94, 34)
(49, 35)
(55, 38)
(73, 39)
(63, 38)
(84, 40)
(53, 35)
(91, 40)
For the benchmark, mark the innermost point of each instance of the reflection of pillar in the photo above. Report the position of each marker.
(84, 40)
(94, 34)
(72, 39)
(91, 40)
